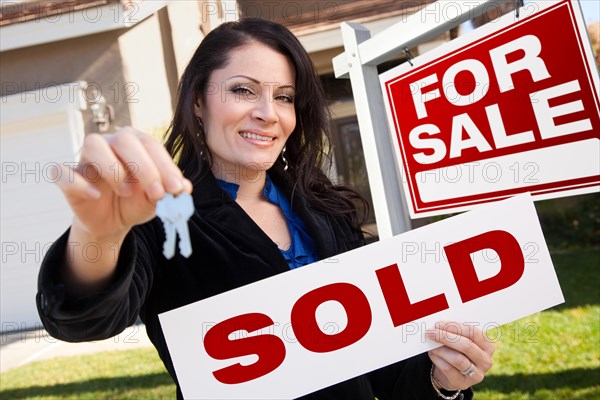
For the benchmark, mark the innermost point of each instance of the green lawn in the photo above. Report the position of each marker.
(554, 354)
(551, 355)
(131, 374)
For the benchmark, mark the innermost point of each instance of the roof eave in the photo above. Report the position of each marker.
(75, 24)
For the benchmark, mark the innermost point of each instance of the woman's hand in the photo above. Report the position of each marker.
(464, 358)
(118, 181)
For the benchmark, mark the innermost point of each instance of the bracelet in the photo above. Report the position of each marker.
(437, 386)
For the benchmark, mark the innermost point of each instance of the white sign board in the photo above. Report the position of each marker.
(508, 108)
(324, 323)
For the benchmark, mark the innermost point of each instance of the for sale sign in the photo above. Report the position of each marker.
(312, 327)
(508, 108)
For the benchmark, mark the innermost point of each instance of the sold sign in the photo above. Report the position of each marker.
(506, 109)
(324, 323)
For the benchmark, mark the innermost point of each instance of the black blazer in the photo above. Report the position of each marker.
(229, 251)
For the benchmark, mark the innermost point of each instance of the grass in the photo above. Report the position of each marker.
(132, 374)
(554, 354)
(551, 355)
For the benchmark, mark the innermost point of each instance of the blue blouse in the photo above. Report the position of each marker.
(302, 249)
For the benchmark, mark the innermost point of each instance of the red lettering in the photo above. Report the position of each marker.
(511, 261)
(305, 325)
(269, 348)
(399, 306)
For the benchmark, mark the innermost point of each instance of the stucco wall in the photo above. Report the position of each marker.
(155, 52)
(146, 84)
(136, 69)
(93, 58)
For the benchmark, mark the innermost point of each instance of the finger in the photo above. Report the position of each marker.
(187, 186)
(459, 364)
(171, 176)
(72, 184)
(470, 331)
(141, 169)
(450, 377)
(105, 165)
(458, 360)
(464, 345)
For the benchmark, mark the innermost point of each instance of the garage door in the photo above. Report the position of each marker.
(37, 130)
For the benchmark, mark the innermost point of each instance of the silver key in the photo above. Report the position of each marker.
(164, 210)
(170, 239)
(184, 205)
(174, 213)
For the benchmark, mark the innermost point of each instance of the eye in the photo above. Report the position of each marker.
(243, 91)
(285, 98)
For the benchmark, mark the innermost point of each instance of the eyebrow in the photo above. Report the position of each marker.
(289, 86)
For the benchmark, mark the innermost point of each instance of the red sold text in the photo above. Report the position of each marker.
(271, 350)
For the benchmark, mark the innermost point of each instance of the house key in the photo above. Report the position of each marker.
(174, 213)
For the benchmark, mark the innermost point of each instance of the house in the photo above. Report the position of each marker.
(74, 67)
(65, 67)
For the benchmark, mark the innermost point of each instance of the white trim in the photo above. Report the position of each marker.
(76, 23)
(432, 21)
(332, 38)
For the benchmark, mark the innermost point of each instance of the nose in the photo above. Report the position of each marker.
(264, 109)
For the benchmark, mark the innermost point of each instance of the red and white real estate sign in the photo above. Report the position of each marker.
(327, 322)
(508, 108)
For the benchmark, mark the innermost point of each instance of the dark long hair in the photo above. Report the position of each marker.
(307, 149)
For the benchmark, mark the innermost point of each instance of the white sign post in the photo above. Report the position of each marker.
(310, 328)
(359, 63)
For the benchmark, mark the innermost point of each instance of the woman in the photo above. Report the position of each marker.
(248, 134)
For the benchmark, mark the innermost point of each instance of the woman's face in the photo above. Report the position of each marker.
(248, 113)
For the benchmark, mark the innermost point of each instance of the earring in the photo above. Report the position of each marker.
(201, 126)
(285, 161)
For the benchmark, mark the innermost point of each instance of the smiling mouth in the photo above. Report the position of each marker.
(248, 135)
